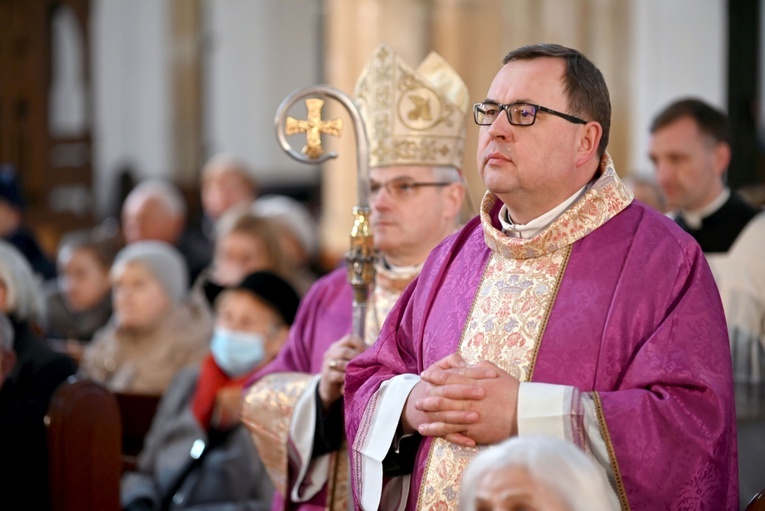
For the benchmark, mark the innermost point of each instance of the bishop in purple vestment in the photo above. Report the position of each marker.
(294, 406)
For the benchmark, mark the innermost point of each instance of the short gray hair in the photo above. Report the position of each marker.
(165, 191)
(448, 175)
(6, 333)
(24, 297)
(555, 463)
(231, 163)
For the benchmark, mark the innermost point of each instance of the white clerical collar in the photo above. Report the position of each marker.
(401, 271)
(693, 218)
(534, 227)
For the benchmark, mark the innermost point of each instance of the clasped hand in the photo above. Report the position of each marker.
(464, 404)
(336, 358)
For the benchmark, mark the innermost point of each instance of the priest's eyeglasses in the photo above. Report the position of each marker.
(401, 188)
(518, 114)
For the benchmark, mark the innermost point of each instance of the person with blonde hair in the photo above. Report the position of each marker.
(244, 243)
(298, 236)
(535, 472)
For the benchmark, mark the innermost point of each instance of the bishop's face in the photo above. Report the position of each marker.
(531, 169)
(408, 220)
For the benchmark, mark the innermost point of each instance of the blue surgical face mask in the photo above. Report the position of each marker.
(237, 353)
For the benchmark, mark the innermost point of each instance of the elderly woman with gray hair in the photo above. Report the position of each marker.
(535, 473)
(28, 387)
(155, 330)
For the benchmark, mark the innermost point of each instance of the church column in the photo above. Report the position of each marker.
(353, 30)
(186, 97)
(473, 37)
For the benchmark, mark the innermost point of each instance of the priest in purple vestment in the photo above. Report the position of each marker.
(294, 406)
(563, 309)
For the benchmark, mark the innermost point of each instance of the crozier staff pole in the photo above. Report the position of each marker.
(361, 254)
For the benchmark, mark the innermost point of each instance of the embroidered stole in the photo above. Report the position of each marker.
(510, 310)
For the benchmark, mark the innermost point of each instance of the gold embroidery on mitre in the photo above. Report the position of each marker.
(267, 411)
(413, 117)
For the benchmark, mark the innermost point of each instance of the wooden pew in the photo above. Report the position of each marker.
(84, 437)
(757, 503)
(136, 414)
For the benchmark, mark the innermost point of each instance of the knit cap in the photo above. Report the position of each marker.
(273, 290)
(162, 260)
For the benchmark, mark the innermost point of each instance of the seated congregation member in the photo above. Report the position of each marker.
(28, 387)
(79, 302)
(13, 227)
(156, 210)
(535, 472)
(228, 181)
(155, 330)
(252, 322)
(244, 243)
(298, 237)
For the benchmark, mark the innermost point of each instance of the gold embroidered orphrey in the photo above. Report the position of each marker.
(313, 127)
(517, 291)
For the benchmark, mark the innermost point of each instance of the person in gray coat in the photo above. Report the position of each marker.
(197, 455)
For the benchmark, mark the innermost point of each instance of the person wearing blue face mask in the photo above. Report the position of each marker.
(197, 453)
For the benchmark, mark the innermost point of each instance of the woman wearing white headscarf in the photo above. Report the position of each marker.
(155, 329)
(26, 393)
(535, 472)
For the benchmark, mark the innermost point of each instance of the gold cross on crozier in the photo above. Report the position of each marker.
(313, 127)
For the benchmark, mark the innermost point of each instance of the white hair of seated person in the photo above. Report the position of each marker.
(229, 162)
(556, 464)
(168, 193)
(24, 298)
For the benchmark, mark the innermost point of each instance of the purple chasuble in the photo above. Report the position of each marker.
(637, 323)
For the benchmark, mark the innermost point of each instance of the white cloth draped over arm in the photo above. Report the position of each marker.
(382, 411)
(561, 411)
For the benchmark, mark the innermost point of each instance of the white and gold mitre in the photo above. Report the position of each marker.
(412, 117)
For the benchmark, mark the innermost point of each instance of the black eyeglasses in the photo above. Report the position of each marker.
(518, 114)
(401, 188)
